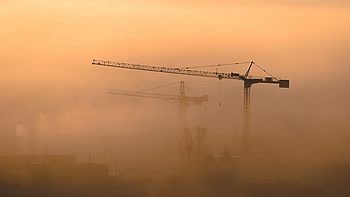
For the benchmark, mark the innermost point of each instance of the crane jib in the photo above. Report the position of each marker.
(219, 75)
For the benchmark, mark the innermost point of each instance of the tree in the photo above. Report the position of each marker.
(192, 144)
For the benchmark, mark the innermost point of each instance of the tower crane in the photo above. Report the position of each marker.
(247, 79)
(182, 98)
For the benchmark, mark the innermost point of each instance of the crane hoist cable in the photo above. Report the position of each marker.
(214, 65)
(220, 90)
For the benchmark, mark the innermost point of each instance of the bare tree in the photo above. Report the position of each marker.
(192, 144)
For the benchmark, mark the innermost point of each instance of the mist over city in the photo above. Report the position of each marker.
(174, 98)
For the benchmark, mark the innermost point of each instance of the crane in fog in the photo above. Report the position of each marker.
(247, 79)
(182, 98)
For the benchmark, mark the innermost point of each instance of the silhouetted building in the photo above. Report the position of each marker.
(54, 166)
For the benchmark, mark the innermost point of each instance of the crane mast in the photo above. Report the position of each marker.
(246, 78)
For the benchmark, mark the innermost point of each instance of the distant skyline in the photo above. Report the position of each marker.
(48, 83)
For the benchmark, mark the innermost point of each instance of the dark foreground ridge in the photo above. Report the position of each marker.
(216, 175)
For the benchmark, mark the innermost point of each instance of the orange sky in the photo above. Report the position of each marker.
(47, 48)
(67, 32)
